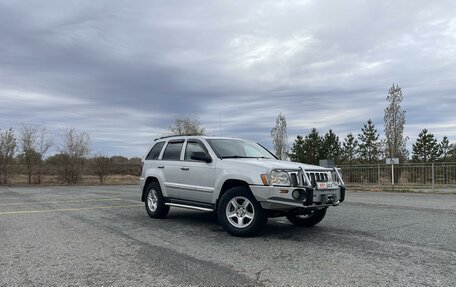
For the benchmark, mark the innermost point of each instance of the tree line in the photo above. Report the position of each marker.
(28, 149)
(366, 147)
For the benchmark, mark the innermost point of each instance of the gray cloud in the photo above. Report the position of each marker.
(123, 70)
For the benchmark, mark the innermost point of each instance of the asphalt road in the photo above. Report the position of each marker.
(102, 236)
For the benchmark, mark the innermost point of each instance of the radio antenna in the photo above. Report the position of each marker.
(220, 126)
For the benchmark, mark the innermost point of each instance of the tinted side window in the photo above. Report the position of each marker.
(155, 151)
(193, 147)
(173, 151)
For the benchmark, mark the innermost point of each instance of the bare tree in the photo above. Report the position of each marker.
(102, 166)
(34, 144)
(394, 124)
(75, 148)
(29, 156)
(45, 140)
(8, 145)
(186, 125)
(280, 137)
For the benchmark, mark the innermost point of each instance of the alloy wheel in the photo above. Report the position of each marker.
(152, 200)
(240, 212)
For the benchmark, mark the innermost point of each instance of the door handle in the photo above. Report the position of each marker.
(185, 168)
(160, 166)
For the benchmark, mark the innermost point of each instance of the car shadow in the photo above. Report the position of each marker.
(196, 218)
(274, 229)
(285, 231)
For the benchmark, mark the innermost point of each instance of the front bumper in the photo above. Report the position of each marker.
(280, 198)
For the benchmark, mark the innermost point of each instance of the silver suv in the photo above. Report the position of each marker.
(239, 180)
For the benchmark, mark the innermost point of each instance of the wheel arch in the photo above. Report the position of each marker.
(230, 183)
(148, 181)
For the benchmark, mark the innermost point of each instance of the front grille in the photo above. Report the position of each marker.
(318, 176)
(298, 179)
(294, 179)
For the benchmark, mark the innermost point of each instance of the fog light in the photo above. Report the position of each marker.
(296, 194)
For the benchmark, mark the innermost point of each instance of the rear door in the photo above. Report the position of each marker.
(171, 165)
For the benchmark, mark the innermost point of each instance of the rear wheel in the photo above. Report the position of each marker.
(307, 219)
(155, 203)
(239, 213)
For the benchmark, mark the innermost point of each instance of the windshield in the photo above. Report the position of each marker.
(232, 148)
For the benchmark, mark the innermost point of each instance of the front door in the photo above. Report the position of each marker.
(198, 184)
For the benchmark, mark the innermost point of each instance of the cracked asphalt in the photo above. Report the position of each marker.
(102, 236)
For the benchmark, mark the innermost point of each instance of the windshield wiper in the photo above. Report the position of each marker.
(237, 156)
(240, 156)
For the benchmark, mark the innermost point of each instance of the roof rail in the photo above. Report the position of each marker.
(171, 136)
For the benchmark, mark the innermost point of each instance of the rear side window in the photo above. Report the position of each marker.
(155, 151)
(173, 151)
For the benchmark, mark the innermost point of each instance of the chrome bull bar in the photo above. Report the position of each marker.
(307, 184)
(303, 173)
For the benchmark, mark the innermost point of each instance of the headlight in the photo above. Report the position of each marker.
(279, 178)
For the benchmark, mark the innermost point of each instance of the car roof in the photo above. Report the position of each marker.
(194, 137)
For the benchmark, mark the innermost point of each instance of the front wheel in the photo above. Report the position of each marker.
(240, 214)
(308, 219)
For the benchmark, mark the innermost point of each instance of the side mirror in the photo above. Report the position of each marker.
(201, 156)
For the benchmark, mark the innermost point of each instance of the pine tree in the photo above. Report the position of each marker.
(394, 125)
(349, 148)
(298, 151)
(313, 147)
(330, 147)
(452, 154)
(369, 146)
(308, 149)
(445, 149)
(425, 148)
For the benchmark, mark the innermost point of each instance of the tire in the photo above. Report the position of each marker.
(155, 203)
(307, 220)
(239, 213)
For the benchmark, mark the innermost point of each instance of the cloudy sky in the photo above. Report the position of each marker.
(122, 70)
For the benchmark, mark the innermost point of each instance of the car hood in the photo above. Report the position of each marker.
(274, 163)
